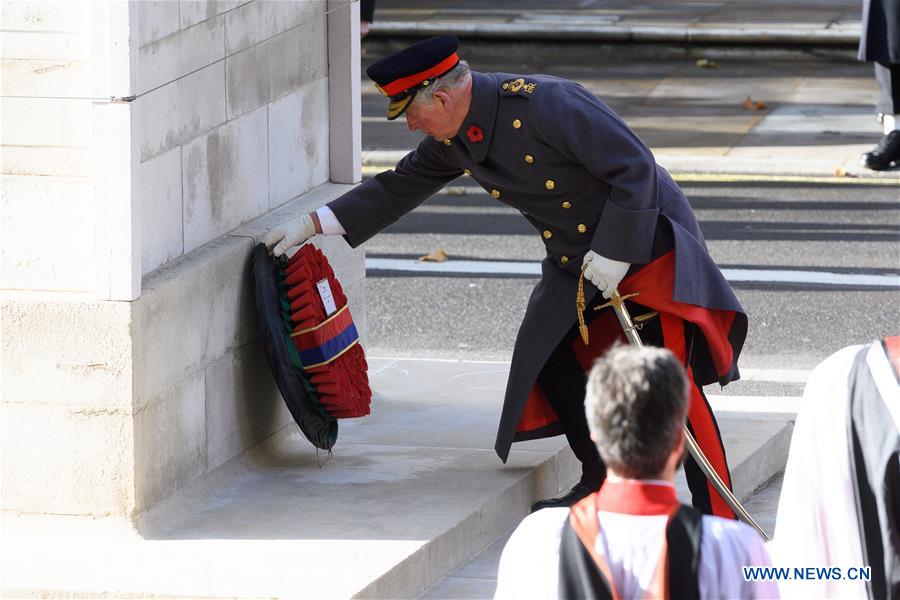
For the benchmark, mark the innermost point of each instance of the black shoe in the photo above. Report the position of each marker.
(581, 490)
(885, 155)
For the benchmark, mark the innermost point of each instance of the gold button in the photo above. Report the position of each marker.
(548, 234)
(582, 228)
(529, 158)
(567, 204)
(447, 142)
(564, 260)
(516, 124)
(467, 172)
(505, 86)
(495, 194)
(550, 184)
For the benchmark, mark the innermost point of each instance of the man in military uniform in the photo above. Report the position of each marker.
(602, 206)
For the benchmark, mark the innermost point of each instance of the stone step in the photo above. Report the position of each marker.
(411, 492)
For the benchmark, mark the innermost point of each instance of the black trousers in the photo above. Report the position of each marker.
(564, 382)
(888, 76)
(367, 10)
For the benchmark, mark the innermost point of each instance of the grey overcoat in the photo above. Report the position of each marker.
(552, 150)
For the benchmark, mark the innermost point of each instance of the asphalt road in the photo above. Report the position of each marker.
(785, 227)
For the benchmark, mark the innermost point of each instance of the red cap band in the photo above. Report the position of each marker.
(404, 83)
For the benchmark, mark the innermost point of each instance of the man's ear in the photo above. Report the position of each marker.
(680, 445)
(442, 97)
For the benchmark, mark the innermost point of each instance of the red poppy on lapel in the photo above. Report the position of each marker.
(475, 133)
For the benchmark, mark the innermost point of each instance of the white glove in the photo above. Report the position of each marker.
(605, 273)
(294, 232)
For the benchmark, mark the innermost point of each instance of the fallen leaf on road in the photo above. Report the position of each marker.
(751, 104)
(705, 63)
(435, 256)
(840, 172)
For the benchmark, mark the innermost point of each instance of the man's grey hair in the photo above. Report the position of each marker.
(636, 403)
(452, 79)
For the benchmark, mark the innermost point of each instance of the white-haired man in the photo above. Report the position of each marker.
(603, 209)
(633, 539)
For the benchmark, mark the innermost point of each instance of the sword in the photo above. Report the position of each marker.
(617, 302)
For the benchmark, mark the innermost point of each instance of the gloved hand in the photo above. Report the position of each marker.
(294, 232)
(605, 273)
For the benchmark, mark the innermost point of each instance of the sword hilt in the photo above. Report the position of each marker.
(617, 303)
(616, 300)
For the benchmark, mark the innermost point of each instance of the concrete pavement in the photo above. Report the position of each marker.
(410, 494)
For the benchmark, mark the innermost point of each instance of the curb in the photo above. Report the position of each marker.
(766, 462)
(619, 34)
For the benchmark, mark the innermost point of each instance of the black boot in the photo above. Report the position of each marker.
(885, 155)
(581, 490)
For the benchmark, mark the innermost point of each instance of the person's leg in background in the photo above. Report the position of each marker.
(887, 153)
(366, 16)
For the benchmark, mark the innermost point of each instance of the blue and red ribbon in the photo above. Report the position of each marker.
(320, 345)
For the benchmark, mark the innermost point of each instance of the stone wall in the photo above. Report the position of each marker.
(233, 112)
(203, 391)
(47, 158)
(130, 363)
(67, 419)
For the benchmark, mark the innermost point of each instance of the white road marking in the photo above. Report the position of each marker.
(775, 375)
(755, 404)
(382, 119)
(453, 266)
(816, 277)
(485, 267)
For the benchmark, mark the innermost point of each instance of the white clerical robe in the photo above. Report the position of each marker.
(817, 523)
(631, 546)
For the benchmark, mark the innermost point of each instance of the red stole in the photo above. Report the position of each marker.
(629, 497)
